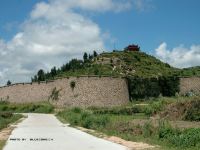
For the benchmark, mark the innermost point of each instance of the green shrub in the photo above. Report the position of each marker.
(54, 94)
(6, 115)
(7, 118)
(119, 110)
(165, 130)
(87, 119)
(187, 138)
(101, 121)
(154, 107)
(140, 88)
(76, 110)
(72, 85)
(147, 129)
(193, 112)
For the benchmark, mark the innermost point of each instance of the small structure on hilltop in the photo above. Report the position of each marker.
(132, 48)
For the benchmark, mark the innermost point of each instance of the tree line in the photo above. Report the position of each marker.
(72, 65)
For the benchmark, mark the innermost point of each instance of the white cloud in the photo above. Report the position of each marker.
(143, 5)
(180, 56)
(54, 33)
(97, 5)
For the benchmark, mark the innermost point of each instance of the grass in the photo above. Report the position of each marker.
(120, 121)
(7, 118)
(42, 107)
(2, 143)
(141, 64)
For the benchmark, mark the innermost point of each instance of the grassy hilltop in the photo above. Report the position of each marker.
(124, 63)
(117, 63)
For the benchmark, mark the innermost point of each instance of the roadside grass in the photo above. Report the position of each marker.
(119, 121)
(7, 111)
(42, 107)
(7, 118)
(2, 143)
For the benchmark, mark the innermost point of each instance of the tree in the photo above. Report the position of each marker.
(35, 78)
(41, 75)
(95, 54)
(90, 57)
(9, 83)
(75, 64)
(85, 57)
(53, 72)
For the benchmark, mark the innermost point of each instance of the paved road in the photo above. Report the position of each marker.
(45, 132)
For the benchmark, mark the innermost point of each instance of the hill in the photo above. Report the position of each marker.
(192, 71)
(116, 63)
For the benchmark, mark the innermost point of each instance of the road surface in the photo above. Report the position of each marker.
(46, 132)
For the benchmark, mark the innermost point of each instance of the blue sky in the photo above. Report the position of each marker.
(173, 21)
(36, 30)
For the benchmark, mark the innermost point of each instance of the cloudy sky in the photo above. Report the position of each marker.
(38, 34)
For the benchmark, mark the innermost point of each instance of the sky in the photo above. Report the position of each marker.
(40, 34)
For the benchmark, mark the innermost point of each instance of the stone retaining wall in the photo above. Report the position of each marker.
(190, 85)
(88, 91)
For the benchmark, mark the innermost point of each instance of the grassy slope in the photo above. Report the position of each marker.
(130, 63)
(139, 63)
(192, 71)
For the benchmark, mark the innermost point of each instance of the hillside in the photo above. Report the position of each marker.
(117, 63)
(192, 71)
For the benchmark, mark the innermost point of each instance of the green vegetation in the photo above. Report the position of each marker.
(26, 108)
(7, 118)
(2, 143)
(125, 64)
(72, 85)
(54, 94)
(9, 83)
(193, 112)
(153, 87)
(133, 122)
(117, 63)
(192, 71)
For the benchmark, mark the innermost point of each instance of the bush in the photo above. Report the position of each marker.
(6, 115)
(165, 130)
(148, 129)
(140, 88)
(154, 108)
(119, 110)
(87, 119)
(54, 94)
(193, 112)
(76, 110)
(72, 85)
(143, 87)
(7, 118)
(187, 138)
